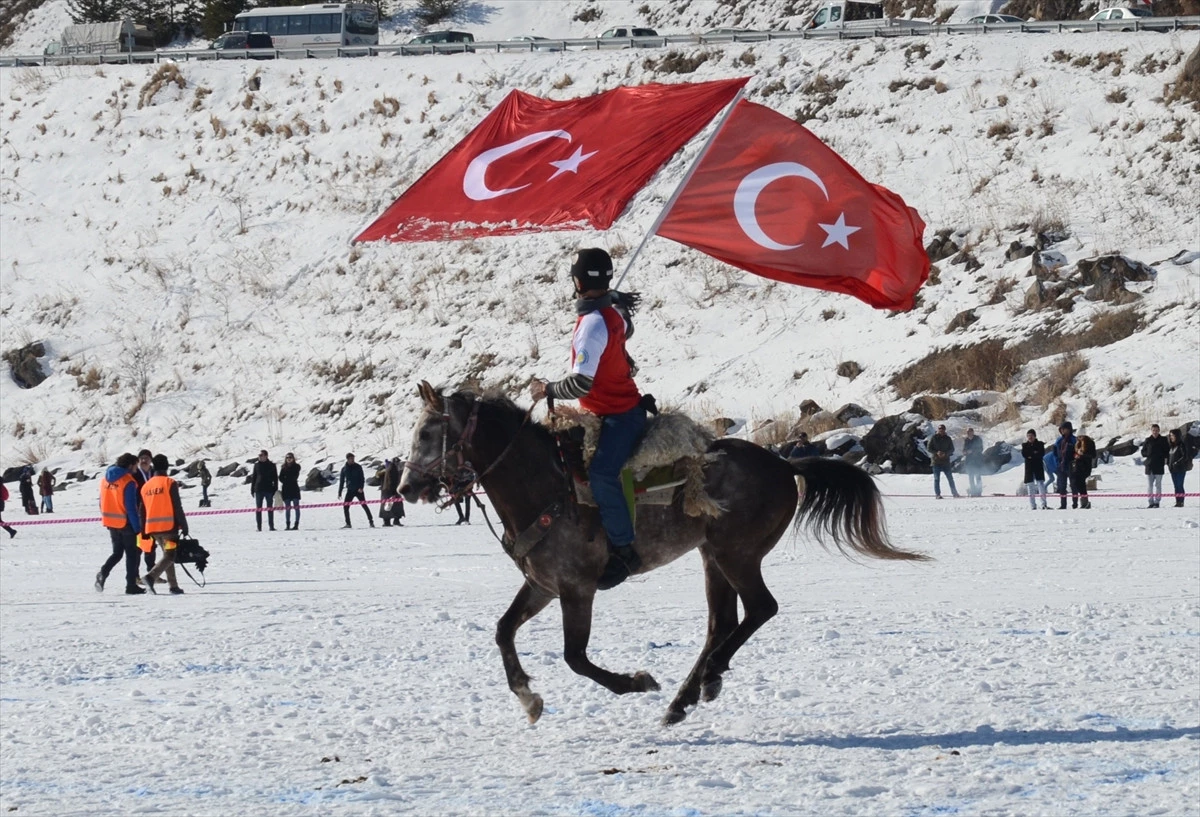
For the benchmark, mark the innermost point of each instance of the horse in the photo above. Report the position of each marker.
(467, 437)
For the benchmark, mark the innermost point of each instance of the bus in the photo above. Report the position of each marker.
(317, 24)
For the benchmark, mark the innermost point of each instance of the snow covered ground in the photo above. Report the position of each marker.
(1047, 663)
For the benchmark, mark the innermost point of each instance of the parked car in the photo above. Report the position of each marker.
(1121, 14)
(622, 32)
(243, 40)
(994, 19)
(443, 38)
(536, 43)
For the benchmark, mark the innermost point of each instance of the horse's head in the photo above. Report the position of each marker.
(434, 456)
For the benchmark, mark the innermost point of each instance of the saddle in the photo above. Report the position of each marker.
(667, 463)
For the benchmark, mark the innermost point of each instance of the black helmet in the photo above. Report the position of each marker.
(593, 268)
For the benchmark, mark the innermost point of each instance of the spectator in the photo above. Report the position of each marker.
(143, 472)
(973, 462)
(289, 486)
(462, 496)
(1154, 452)
(3, 499)
(46, 483)
(1081, 469)
(1179, 462)
(941, 449)
(205, 481)
(352, 481)
(1064, 455)
(163, 521)
(800, 449)
(264, 482)
(119, 514)
(392, 509)
(26, 485)
(1033, 451)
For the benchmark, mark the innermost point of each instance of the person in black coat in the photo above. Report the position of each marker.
(352, 482)
(1033, 451)
(289, 486)
(1154, 453)
(1179, 462)
(391, 511)
(264, 482)
(1064, 450)
(26, 486)
(1081, 469)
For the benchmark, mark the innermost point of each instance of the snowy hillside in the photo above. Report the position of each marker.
(179, 241)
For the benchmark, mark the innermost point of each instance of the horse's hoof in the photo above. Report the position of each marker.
(533, 708)
(644, 682)
(711, 690)
(674, 716)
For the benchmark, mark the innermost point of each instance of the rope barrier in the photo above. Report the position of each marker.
(1166, 495)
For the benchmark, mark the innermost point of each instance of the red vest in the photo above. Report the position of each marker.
(112, 502)
(613, 390)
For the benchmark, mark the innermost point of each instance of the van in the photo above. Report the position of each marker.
(846, 14)
(117, 37)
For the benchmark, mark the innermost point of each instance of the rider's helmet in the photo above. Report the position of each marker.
(593, 268)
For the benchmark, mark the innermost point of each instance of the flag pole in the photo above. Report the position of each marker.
(682, 184)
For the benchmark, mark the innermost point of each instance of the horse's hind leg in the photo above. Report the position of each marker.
(759, 606)
(577, 631)
(529, 602)
(722, 620)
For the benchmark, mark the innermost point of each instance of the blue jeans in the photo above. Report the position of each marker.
(974, 482)
(1177, 481)
(938, 470)
(619, 434)
(269, 501)
(288, 506)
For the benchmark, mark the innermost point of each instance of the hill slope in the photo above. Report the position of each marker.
(179, 242)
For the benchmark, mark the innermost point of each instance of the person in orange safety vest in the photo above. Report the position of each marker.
(119, 513)
(163, 521)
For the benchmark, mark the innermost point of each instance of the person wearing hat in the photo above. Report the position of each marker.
(163, 521)
(1064, 452)
(601, 379)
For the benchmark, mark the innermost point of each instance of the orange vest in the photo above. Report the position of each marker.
(160, 513)
(112, 502)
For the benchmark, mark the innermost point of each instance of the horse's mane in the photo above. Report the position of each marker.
(510, 413)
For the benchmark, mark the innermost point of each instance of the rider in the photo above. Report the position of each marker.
(602, 380)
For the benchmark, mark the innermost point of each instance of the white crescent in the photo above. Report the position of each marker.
(746, 197)
(474, 180)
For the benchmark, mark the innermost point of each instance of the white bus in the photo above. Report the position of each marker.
(318, 24)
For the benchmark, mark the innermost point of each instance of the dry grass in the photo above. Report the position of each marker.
(1057, 381)
(987, 365)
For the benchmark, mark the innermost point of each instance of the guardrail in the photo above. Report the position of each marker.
(902, 28)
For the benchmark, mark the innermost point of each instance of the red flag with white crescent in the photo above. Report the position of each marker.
(773, 199)
(536, 164)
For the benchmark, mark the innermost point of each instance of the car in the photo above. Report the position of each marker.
(717, 32)
(536, 43)
(435, 38)
(1118, 13)
(994, 19)
(244, 40)
(623, 32)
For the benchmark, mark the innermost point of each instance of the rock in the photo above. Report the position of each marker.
(1190, 432)
(808, 408)
(850, 411)
(79, 476)
(1046, 264)
(11, 474)
(961, 321)
(1048, 237)
(895, 439)
(1017, 250)
(839, 445)
(1126, 448)
(855, 456)
(226, 470)
(935, 407)
(1093, 270)
(967, 258)
(23, 363)
(240, 472)
(1035, 296)
(849, 369)
(317, 479)
(942, 246)
(996, 457)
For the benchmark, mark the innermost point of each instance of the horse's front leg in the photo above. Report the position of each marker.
(529, 602)
(577, 630)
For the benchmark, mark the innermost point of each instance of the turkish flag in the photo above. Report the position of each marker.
(535, 164)
(773, 199)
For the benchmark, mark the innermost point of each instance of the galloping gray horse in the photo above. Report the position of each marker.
(551, 540)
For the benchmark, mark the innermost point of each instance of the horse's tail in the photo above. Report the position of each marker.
(840, 501)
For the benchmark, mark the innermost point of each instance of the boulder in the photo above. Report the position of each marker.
(227, 470)
(935, 407)
(809, 407)
(240, 472)
(1190, 433)
(967, 258)
(849, 369)
(12, 474)
(26, 371)
(961, 321)
(78, 476)
(900, 440)
(849, 412)
(996, 457)
(1046, 264)
(1017, 251)
(1124, 448)
(942, 246)
(317, 479)
(838, 445)
(1036, 296)
(1107, 284)
(1093, 270)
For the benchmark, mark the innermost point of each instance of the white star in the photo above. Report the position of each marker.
(571, 165)
(838, 232)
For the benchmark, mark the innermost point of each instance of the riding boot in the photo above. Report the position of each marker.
(623, 562)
